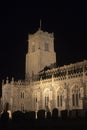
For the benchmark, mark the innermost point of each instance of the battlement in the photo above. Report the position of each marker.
(60, 73)
(66, 71)
(42, 33)
(15, 83)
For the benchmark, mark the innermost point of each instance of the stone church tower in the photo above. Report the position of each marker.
(40, 52)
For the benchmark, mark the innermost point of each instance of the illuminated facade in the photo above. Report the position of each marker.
(45, 87)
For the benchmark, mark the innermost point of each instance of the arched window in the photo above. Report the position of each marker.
(36, 100)
(59, 100)
(46, 47)
(47, 99)
(60, 97)
(58, 104)
(73, 101)
(22, 94)
(75, 96)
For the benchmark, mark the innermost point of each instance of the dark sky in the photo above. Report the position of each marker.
(69, 24)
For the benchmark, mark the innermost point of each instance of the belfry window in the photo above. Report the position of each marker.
(46, 47)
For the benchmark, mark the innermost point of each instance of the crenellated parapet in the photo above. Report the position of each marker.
(8, 82)
(60, 73)
(66, 71)
(42, 33)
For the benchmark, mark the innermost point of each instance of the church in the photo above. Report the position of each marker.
(46, 86)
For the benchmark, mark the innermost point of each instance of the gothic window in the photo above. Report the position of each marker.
(75, 96)
(59, 100)
(34, 102)
(46, 47)
(73, 101)
(35, 99)
(22, 94)
(46, 101)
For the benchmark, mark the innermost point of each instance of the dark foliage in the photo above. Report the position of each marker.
(5, 117)
(30, 115)
(64, 114)
(49, 115)
(18, 116)
(24, 120)
(81, 113)
(55, 113)
(41, 114)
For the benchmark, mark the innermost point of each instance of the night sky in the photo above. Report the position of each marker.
(69, 24)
